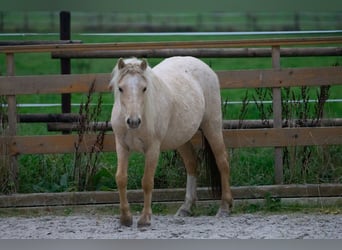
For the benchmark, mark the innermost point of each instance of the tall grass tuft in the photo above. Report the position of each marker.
(171, 171)
(87, 164)
(265, 111)
(306, 164)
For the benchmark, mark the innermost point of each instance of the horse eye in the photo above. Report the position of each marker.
(120, 89)
(144, 89)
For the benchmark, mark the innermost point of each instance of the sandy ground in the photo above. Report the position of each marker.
(241, 226)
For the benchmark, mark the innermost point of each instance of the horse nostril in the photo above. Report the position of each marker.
(133, 123)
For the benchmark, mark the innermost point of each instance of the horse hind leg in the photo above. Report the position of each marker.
(215, 139)
(190, 161)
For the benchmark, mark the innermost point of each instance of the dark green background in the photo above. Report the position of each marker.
(173, 5)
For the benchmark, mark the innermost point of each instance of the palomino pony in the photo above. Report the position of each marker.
(161, 109)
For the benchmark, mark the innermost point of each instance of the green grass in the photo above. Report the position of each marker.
(192, 19)
(250, 166)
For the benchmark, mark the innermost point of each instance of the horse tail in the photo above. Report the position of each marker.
(212, 170)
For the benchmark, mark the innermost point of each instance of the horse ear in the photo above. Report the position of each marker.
(143, 64)
(121, 63)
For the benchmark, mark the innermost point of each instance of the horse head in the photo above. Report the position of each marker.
(130, 86)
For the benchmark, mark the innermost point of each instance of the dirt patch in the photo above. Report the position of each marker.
(246, 226)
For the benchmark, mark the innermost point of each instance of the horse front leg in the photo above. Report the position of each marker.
(151, 161)
(121, 182)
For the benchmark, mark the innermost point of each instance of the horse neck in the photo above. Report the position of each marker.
(159, 88)
(157, 103)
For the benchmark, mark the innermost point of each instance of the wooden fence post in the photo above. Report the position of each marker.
(64, 21)
(12, 125)
(277, 117)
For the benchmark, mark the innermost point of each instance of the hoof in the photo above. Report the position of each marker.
(223, 213)
(126, 221)
(144, 221)
(183, 213)
(143, 224)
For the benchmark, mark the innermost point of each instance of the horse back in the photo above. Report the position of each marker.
(190, 71)
(186, 74)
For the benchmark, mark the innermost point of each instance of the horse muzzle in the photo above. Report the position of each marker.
(133, 122)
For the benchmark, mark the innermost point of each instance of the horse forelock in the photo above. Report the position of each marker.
(132, 66)
(131, 69)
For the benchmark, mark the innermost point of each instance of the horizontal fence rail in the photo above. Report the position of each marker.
(71, 123)
(217, 53)
(37, 42)
(272, 137)
(19, 85)
(166, 195)
(171, 45)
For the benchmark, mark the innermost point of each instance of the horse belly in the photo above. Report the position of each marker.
(175, 139)
(184, 123)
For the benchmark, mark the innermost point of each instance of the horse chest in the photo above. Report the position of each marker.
(134, 142)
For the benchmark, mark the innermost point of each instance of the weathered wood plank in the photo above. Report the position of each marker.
(274, 137)
(45, 84)
(280, 77)
(167, 195)
(282, 137)
(279, 137)
(69, 123)
(69, 118)
(37, 42)
(56, 144)
(172, 45)
(201, 53)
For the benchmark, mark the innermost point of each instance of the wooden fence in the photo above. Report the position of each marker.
(275, 78)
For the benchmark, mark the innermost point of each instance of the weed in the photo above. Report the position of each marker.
(272, 204)
(304, 164)
(322, 97)
(251, 166)
(243, 110)
(209, 209)
(104, 179)
(171, 171)
(261, 95)
(159, 208)
(135, 207)
(252, 208)
(67, 211)
(224, 108)
(86, 164)
(45, 173)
